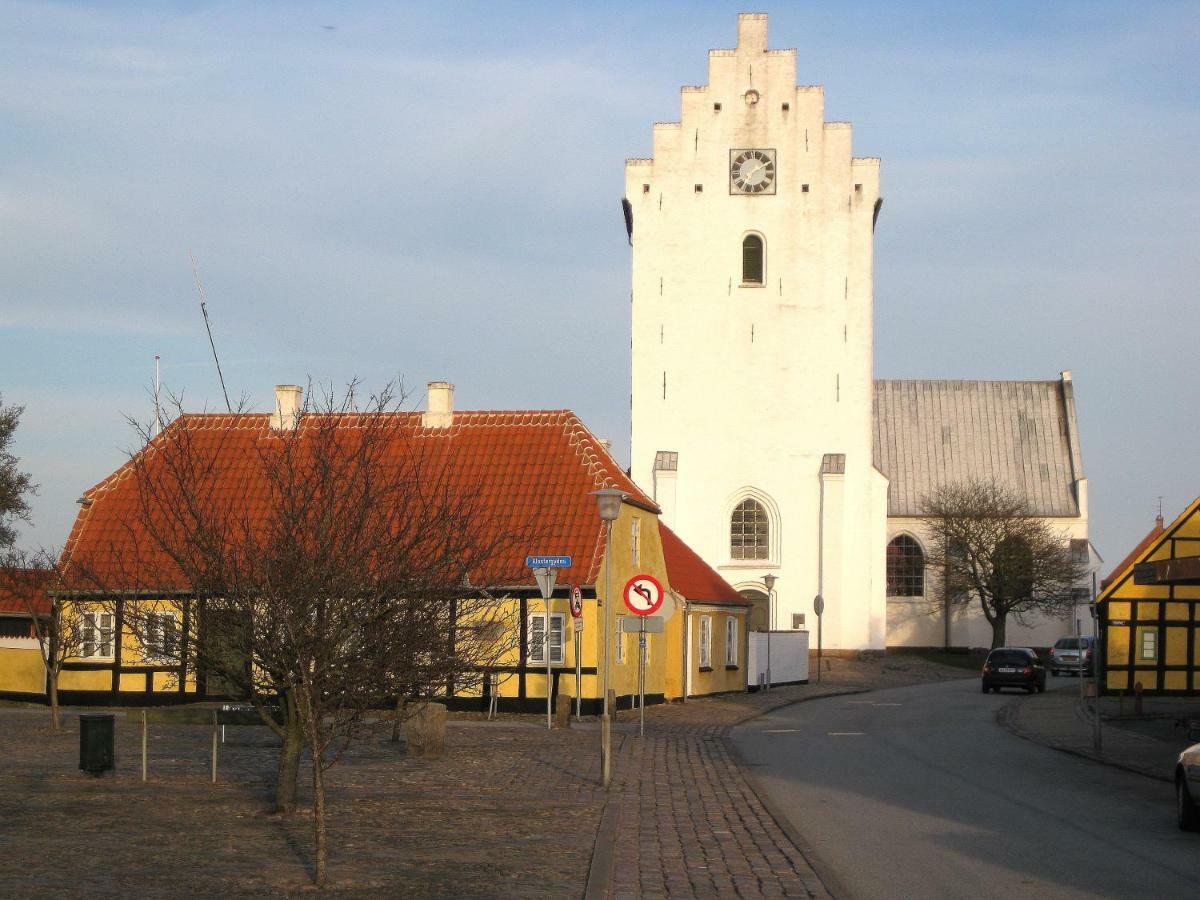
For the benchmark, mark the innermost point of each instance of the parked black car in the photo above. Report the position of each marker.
(1013, 667)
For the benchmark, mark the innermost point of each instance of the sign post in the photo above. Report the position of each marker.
(643, 596)
(545, 571)
(577, 615)
(819, 609)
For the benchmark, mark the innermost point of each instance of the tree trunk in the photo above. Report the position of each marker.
(289, 758)
(398, 719)
(999, 626)
(54, 717)
(319, 876)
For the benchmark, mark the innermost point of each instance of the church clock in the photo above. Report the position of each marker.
(752, 171)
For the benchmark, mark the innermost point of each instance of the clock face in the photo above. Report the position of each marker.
(752, 171)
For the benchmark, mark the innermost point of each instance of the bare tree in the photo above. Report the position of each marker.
(33, 578)
(329, 565)
(997, 553)
(15, 485)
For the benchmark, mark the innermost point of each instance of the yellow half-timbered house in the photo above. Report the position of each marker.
(1149, 613)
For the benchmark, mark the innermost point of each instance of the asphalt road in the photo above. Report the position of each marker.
(917, 792)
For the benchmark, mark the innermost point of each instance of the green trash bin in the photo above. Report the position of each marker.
(97, 739)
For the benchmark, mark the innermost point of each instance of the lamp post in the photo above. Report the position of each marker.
(608, 502)
(769, 581)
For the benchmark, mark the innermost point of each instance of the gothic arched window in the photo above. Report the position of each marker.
(752, 259)
(749, 531)
(905, 568)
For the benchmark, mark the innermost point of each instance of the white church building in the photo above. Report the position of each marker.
(757, 423)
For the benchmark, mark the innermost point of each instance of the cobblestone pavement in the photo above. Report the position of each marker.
(1148, 744)
(688, 822)
(511, 810)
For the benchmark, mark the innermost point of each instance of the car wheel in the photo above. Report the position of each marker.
(1185, 809)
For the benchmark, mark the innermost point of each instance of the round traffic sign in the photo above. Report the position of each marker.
(576, 602)
(819, 605)
(643, 595)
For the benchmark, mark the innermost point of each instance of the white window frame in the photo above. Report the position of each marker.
(154, 647)
(1149, 643)
(731, 636)
(704, 657)
(534, 652)
(97, 630)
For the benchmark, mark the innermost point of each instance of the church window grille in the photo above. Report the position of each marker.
(905, 568)
(752, 259)
(716, 107)
(749, 531)
(699, 189)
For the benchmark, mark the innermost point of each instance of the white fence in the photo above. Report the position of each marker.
(789, 658)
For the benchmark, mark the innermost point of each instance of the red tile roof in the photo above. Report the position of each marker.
(1134, 554)
(22, 588)
(692, 576)
(516, 465)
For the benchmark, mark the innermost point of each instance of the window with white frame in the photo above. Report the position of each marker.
(537, 638)
(1149, 649)
(731, 641)
(162, 637)
(706, 642)
(97, 634)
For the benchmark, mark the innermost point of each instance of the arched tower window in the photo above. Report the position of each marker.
(752, 259)
(749, 531)
(905, 568)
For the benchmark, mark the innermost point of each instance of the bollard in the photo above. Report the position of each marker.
(216, 729)
(562, 711)
(1137, 698)
(143, 745)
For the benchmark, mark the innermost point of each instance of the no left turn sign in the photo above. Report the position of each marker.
(643, 595)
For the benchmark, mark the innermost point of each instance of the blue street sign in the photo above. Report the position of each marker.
(548, 562)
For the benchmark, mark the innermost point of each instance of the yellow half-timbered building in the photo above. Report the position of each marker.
(540, 463)
(1149, 613)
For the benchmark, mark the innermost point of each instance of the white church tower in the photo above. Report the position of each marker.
(752, 312)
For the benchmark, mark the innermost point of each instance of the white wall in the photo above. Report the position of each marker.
(789, 657)
(919, 621)
(752, 386)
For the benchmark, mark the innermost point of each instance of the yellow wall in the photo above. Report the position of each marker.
(1168, 617)
(719, 679)
(21, 670)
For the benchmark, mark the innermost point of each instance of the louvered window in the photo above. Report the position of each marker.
(162, 637)
(752, 259)
(537, 638)
(706, 642)
(97, 635)
(731, 641)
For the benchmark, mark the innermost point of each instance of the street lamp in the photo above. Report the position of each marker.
(608, 502)
(769, 581)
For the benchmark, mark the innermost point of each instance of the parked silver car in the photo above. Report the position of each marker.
(1187, 788)
(1072, 654)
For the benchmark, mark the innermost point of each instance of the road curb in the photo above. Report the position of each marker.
(1004, 718)
(600, 867)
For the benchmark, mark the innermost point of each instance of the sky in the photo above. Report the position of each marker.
(382, 191)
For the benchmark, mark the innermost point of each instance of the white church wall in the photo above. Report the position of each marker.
(919, 621)
(752, 385)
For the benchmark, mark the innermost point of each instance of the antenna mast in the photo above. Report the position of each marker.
(208, 327)
(158, 422)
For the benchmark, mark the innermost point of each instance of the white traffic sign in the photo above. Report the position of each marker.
(576, 602)
(545, 581)
(630, 625)
(643, 595)
(578, 626)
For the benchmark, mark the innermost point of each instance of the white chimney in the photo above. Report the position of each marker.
(440, 407)
(287, 407)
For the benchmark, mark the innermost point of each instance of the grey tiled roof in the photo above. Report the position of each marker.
(1019, 433)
